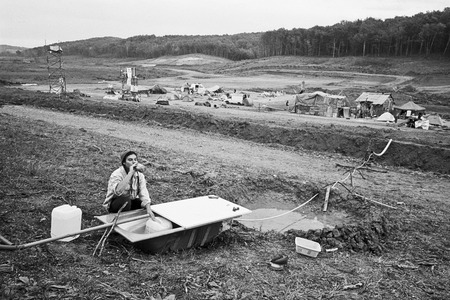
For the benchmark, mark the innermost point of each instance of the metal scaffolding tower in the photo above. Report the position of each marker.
(56, 76)
(129, 84)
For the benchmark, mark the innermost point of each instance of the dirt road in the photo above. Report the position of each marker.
(391, 186)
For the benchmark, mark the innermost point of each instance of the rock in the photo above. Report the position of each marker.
(327, 230)
(360, 246)
(340, 245)
(336, 233)
(332, 242)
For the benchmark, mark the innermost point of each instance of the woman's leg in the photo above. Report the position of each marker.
(117, 203)
(136, 204)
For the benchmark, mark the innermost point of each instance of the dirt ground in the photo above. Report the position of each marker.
(217, 149)
(63, 151)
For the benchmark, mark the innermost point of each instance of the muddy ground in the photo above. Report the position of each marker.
(60, 150)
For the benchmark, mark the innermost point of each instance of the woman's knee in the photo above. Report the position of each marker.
(117, 203)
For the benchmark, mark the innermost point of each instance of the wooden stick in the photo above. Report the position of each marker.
(105, 236)
(101, 239)
(36, 243)
(327, 195)
(4, 240)
(361, 168)
(365, 198)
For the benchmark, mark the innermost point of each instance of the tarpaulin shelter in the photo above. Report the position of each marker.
(410, 106)
(410, 109)
(197, 88)
(156, 89)
(386, 117)
(374, 104)
(185, 87)
(435, 120)
(215, 89)
(239, 99)
(320, 103)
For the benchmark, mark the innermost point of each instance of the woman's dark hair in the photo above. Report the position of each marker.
(124, 155)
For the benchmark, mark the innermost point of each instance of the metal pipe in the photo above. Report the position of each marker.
(40, 242)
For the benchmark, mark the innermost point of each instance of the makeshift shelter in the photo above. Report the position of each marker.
(162, 102)
(187, 98)
(185, 87)
(173, 95)
(156, 89)
(435, 120)
(374, 104)
(410, 106)
(410, 109)
(320, 103)
(386, 117)
(239, 99)
(214, 89)
(197, 88)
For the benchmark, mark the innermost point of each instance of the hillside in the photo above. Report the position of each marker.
(10, 49)
(427, 35)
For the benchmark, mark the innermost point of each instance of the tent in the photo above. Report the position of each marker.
(156, 89)
(386, 117)
(173, 95)
(435, 120)
(410, 106)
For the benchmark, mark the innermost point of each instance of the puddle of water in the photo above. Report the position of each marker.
(265, 220)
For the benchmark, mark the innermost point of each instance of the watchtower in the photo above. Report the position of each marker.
(129, 84)
(56, 75)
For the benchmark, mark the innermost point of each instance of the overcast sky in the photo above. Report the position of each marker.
(32, 23)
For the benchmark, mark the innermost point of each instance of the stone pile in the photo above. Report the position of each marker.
(359, 238)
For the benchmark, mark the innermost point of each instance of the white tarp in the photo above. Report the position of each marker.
(424, 124)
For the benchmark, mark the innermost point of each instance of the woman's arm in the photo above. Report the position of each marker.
(144, 195)
(122, 185)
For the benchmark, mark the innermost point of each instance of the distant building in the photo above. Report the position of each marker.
(374, 104)
(321, 104)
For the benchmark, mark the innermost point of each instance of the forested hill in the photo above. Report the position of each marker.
(422, 34)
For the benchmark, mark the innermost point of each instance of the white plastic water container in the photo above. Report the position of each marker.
(159, 224)
(66, 219)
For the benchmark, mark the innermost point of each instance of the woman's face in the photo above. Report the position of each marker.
(129, 161)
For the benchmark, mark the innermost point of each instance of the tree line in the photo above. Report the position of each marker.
(422, 34)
